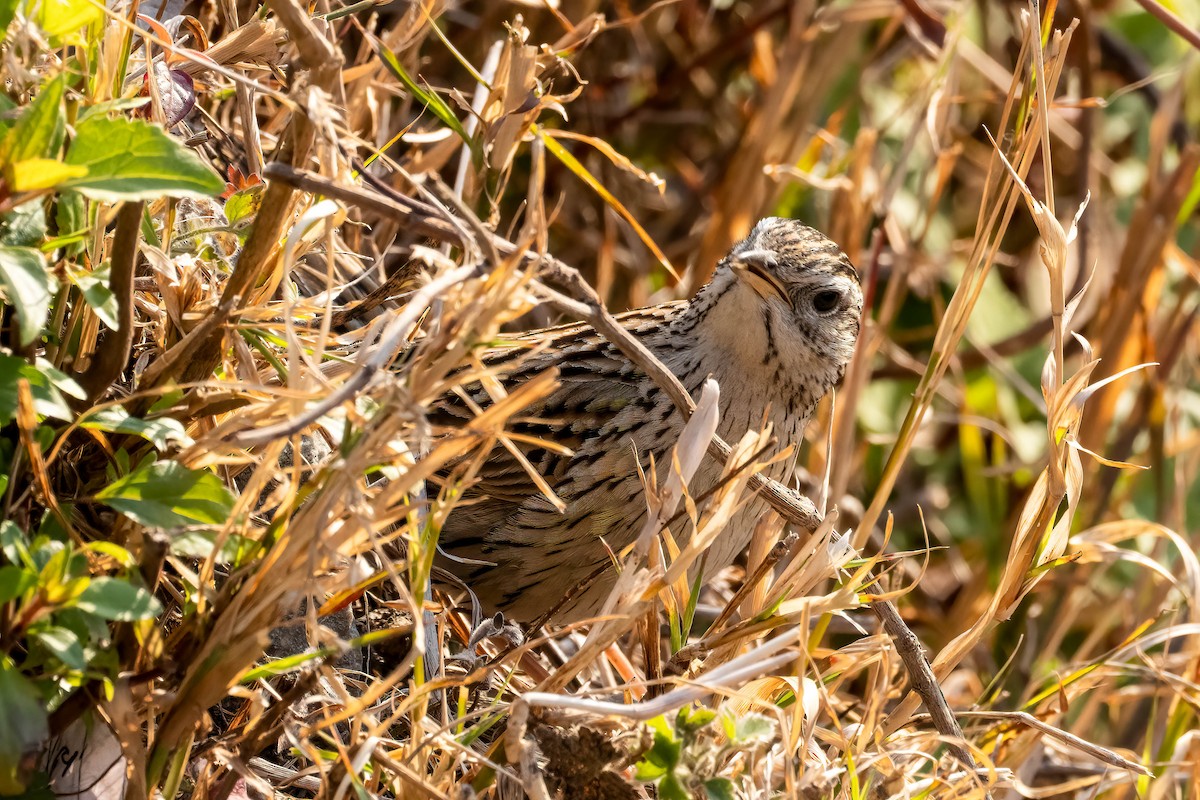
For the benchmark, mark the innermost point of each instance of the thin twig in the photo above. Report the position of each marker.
(1168, 18)
(924, 682)
(1094, 750)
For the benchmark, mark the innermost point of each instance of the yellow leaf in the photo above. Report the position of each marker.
(61, 17)
(40, 173)
(581, 172)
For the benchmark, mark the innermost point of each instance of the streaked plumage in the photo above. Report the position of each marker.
(773, 359)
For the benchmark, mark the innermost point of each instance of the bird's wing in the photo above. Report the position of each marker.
(553, 435)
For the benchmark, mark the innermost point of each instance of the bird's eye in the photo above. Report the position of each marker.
(826, 302)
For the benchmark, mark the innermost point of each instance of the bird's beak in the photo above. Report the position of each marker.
(754, 267)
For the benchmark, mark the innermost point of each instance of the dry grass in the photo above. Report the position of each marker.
(1012, 456)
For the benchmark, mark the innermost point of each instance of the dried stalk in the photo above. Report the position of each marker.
(109, 360)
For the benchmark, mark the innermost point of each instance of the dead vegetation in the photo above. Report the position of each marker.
(1008, 471)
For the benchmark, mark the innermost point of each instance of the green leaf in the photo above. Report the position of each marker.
(107, 107)
(288, 663)
(729, 726)
(281, 666)
(719, 789)
(118, 600)
(167, 402)
(24, 730)
(165, 494)
(63, 576)
(671, 788)
(663, 755)
(47, 399)
(48, 552)
(70, 213)
(25, 225)
(64, 645)
(59, 380)
(130, 159)
(998, 313)
(160, 432)
(8, 9)
(241, 207)
(6, 119)
(431, 100)
(14, 582)
(648, 771)
(87, 627)
(27, 287)
(39, 132)
(661, 727)
(93, 286)
(234, 550)
(14, 544)
(753, 728)
(692, 718)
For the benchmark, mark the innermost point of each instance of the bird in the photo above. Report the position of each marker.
(775, 327)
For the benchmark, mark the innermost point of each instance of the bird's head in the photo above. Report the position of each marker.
(807, 291)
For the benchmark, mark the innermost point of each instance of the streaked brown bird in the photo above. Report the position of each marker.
(775, 327)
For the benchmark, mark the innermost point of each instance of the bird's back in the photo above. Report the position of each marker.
(603, 410)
